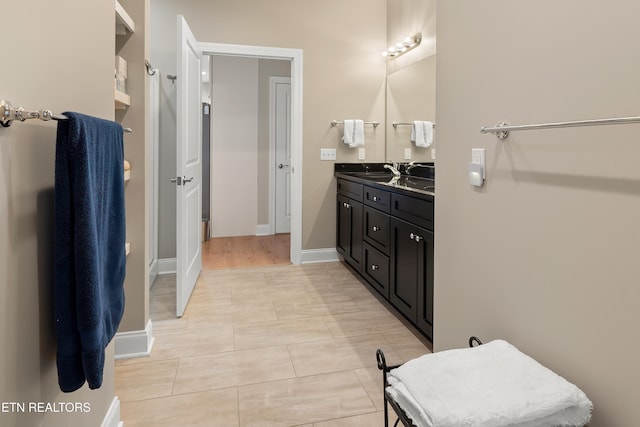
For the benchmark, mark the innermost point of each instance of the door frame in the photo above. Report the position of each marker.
(295, 56)
(273, 81)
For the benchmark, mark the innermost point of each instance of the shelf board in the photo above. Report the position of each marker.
(122, 100)
(124, 22)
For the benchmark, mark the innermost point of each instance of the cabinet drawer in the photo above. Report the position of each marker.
(378, 199)
(350, 189)
(376, 229)
(375, 268)
(416, 211)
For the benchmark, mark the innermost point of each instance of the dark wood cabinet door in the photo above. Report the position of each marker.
(404, 268)
(342, 225)
(355, 252)
(349, 230)
(424, 320)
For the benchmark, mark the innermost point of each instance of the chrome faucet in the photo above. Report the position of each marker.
(393, 168)
(412, 165)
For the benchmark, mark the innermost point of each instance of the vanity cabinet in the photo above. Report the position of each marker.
(387, 236)
(412, 273)
(349, 223)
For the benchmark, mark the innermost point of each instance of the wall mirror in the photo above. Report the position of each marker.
(411, 95)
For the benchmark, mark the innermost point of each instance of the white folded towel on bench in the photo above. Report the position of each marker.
(491, 385)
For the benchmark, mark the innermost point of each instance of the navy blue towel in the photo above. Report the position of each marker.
(89, 255)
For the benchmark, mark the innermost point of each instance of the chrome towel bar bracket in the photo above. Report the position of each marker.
(8, 114)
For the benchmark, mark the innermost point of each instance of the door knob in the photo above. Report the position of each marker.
(280, 166)
(177, 180)
(185, 180)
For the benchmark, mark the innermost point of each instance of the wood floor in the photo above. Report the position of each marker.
(222, 253)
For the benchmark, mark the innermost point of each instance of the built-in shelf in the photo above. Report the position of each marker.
(124, 23)
(122, 100)
(127, 248)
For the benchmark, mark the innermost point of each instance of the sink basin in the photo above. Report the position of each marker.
(372, 176)
(422, 185)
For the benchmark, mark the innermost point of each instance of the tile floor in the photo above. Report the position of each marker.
(268, 346)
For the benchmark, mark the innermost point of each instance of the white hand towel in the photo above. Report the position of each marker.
(422, 133)
(353, 133)
(492, 385)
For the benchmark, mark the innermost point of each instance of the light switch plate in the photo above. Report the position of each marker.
(433, 154)
(327, 154)
(361, 153)
(407, 153)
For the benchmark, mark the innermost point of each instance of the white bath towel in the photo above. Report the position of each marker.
(422, 133)
(492, 385)
(353, 133)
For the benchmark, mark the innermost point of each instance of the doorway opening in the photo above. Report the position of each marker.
(293, 57)
(246, 161)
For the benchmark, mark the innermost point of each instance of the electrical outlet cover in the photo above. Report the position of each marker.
(477, 156)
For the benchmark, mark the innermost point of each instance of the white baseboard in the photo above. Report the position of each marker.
(263, 230)
(167, 266)
(112, 419)
(153, 272)
(310, 256)
(129, 345)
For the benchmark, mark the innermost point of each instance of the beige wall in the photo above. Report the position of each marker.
(234, 146)
(61, 63)
(343, 77)
(545, 255)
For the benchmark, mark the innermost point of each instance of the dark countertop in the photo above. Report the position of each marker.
(375, 175)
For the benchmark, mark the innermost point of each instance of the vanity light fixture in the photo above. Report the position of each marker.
(403, 46)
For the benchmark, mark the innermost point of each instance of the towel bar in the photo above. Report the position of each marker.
(502, 129)
(335, 122)
(8, 114)
(396, 124)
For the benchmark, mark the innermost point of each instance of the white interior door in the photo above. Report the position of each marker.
(188, 166)
(282, 135)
